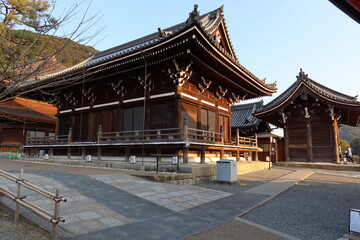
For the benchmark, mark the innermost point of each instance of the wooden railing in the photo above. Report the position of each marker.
(153, 135)
(58, 139)
(203, 136)
(19, 199)
(244, 141)
(168, 134)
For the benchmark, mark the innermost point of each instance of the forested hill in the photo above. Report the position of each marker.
(349, 133)
(72, 54)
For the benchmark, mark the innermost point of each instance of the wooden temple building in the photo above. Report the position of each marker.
(311, 114)
(22, 118)
(167, 93)
(269, 137)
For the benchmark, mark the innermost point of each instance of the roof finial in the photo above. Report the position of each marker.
(194, 15)
(302, 76)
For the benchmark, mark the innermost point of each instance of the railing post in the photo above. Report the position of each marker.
(256, 140)
(237, 137)
(186, 140)
(70, 136)
(56, 214)
(18, 195)
(99, 134)
(222, 136)
(158, 133)
(185, 130)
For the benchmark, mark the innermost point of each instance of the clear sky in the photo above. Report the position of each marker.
(273, 39)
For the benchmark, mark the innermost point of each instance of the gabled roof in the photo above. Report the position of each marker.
(242, 115)
(350, 7)
(208, 23)
(21, 109)
(318, 91)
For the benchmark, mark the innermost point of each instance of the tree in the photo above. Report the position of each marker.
(27, 29)
(355, 145)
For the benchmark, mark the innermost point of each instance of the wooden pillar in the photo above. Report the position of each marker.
(127, 154)
(250, 155)
(51, 153)
(83, 153)
(286, 142)
(186, 154)
(98, 155)
(276, 151)
(202, 154)
(237, 155)
(68, 153)
(256, 156)
(336, 143)
(310, 154)
(222, 153)
(237, 137)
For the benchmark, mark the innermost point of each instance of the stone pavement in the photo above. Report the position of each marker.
(120, 206)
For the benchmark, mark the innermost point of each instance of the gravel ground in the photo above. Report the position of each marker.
(316, 208)
(235, 230)
(247, 181)
(23, 230)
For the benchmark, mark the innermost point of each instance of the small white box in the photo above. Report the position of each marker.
(226, 171)
(354, 224)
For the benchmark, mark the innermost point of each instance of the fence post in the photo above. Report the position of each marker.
(56, 214)
(18, 195)
(99, 134)
(70, 136)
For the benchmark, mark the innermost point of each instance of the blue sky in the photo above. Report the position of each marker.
(273, 39)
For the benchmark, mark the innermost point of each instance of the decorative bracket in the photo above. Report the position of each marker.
(149, 83)
(70, 98)
(118, 87)
(221, 93)
(203, 85)
(181, 75)
(55, 100)
(89, 95)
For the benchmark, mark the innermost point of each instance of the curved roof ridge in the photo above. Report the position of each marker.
(303, 78)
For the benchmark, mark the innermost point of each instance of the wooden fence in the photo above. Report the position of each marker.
(19, 199)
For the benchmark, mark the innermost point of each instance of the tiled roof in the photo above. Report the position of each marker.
(242, 115)
(28, 110)
(318, 88)
(208, 22)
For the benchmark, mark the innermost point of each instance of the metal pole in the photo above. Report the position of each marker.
(144, 111)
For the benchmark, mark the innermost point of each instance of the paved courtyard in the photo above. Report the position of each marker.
(104, 204)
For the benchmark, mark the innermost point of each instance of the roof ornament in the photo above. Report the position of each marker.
(194, 16)
(163, 33)
(302, 76)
